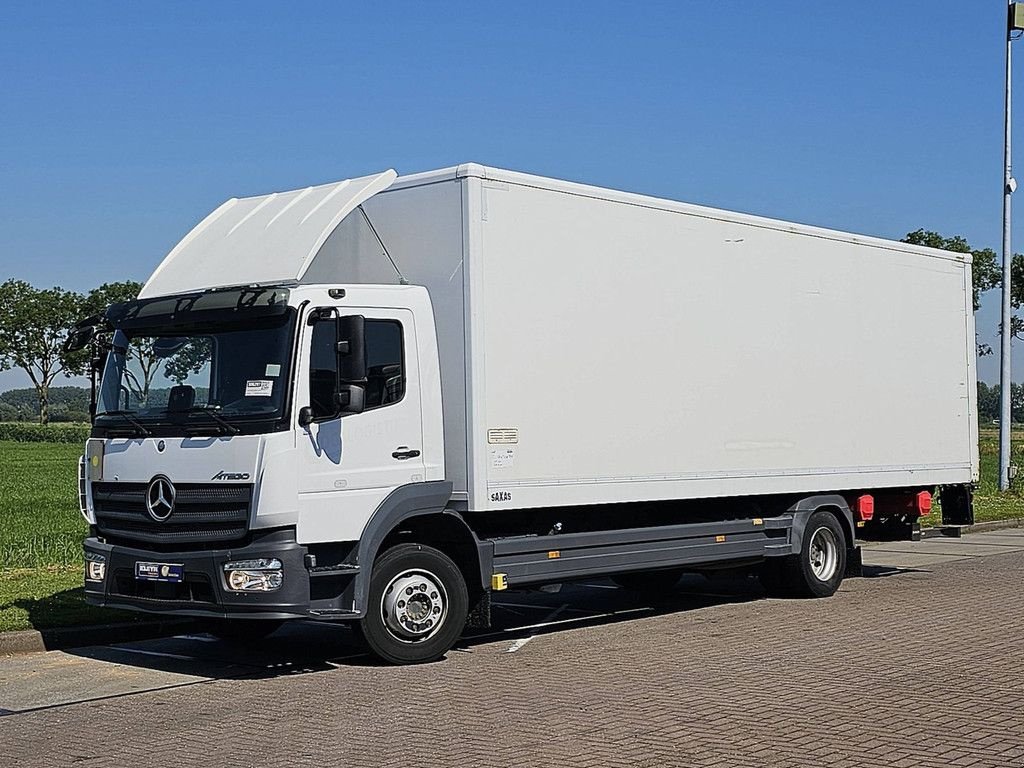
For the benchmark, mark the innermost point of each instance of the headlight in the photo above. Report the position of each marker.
(95, 566)
(260, 575)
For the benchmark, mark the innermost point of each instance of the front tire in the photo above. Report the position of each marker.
(417, 605)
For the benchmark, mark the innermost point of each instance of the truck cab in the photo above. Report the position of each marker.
(218, 434)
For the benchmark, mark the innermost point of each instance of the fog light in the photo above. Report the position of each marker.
(95, 566)
(260, 575)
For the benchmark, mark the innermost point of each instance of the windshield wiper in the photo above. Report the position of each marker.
(139, 426)
(212, 413)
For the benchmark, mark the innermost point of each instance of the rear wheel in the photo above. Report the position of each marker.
(817, 571)
(417, 605)
(648, 581)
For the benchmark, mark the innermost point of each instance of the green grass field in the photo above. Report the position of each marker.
(41, 529)
(39, 519)
(989, 503)
(41, 532)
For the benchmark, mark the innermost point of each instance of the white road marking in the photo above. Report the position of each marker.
(573, 620)
(517, 644)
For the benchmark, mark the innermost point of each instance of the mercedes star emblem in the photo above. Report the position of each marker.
(160, 498)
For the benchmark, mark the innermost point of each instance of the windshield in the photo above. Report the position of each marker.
(209, 377)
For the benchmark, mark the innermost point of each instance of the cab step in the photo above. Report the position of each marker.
(341, 569)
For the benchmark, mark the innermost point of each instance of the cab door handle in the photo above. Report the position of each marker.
(405, 454)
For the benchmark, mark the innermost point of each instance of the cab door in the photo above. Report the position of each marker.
(349, 464)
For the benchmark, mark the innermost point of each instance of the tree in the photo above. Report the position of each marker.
(1017, 295)
(33, 326)
(988, 402)
(986, 271)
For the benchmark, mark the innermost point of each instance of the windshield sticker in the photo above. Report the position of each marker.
(273, 370)
(259, 388)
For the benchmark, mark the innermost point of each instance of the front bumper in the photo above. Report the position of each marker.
(202, 591)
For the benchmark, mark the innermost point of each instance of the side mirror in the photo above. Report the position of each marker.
(350, 398)
(351, 348)
(350, 393)
(82, 334)
(305, 416)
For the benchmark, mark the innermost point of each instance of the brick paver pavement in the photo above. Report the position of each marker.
(917, 669)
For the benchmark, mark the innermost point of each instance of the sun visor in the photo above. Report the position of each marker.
(261, 240)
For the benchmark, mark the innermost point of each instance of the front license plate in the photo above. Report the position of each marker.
(172, 572)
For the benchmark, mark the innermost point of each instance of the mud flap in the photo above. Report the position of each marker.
(957, 504)
(479, 616)
(854, 563)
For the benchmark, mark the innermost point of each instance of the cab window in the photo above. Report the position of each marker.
(385, 366)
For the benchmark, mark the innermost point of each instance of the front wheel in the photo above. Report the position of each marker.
(417, 605)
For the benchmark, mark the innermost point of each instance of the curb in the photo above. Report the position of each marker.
(955, 531)
(36, 641)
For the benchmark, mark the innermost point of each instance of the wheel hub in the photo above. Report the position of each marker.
(824, 554)
(414, 605)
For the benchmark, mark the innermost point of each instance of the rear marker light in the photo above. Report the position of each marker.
(866, 506)
(924, 503)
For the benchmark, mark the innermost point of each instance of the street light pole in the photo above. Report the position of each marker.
(1015, 21)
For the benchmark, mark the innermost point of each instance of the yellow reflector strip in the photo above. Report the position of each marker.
(719, 539)
(554, 554)
(499, 581)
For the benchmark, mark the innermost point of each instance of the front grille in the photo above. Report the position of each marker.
(202, 513)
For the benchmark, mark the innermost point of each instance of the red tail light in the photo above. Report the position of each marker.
(866, 506)
(924, 503)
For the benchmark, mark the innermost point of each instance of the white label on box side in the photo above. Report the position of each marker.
(259, 388)
(503, 457)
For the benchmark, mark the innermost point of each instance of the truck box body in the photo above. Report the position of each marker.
(598, 346)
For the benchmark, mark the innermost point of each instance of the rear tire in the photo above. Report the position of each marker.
(818, 570)
(417, 605)
(648, 581)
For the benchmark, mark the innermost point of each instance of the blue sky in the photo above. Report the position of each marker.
(121, 125)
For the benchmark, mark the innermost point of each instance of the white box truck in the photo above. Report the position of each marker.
(379, 400)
